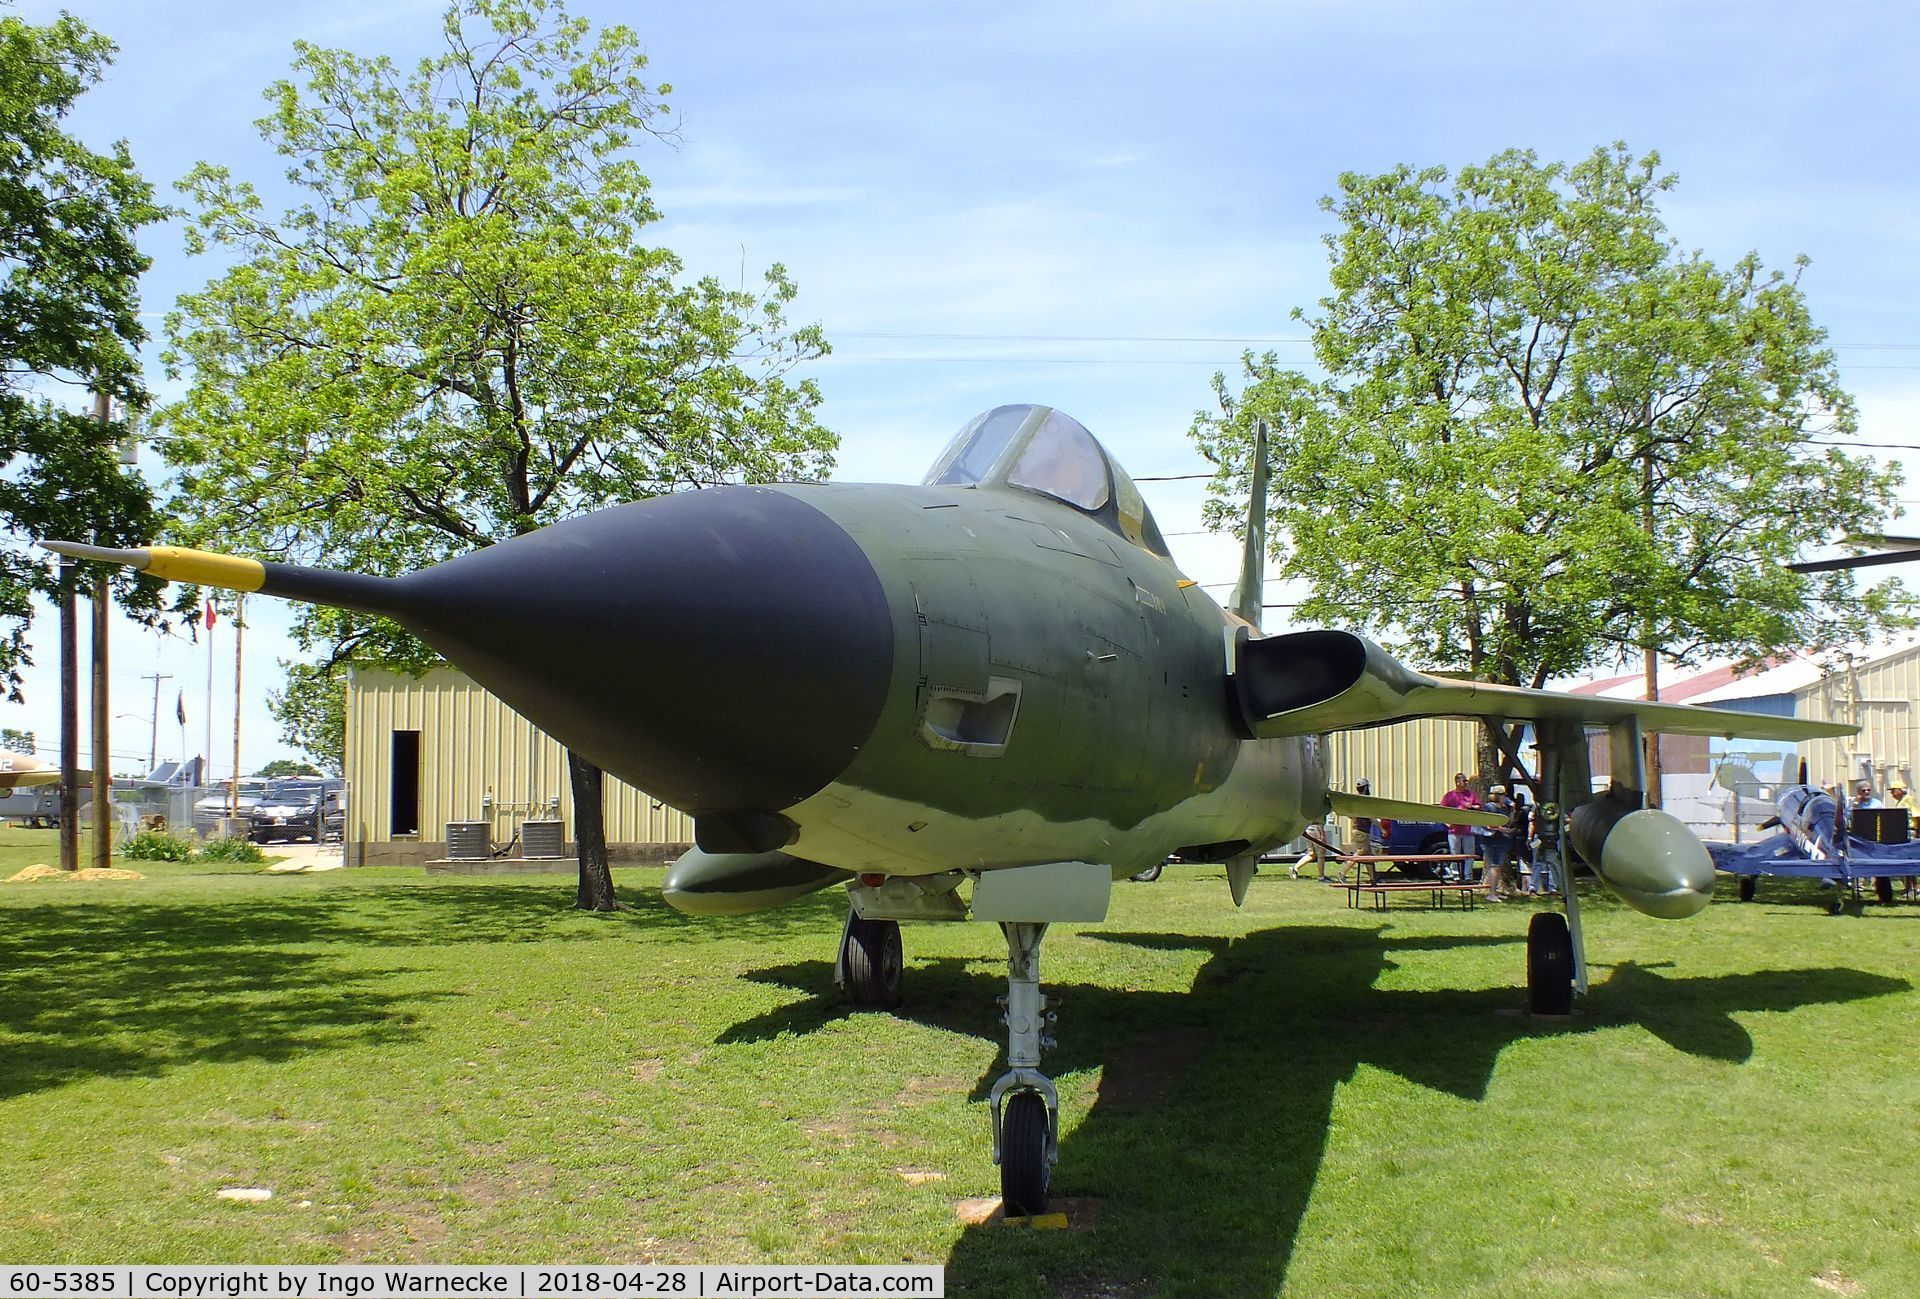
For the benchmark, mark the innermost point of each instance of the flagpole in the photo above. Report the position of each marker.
(239, 627)
(206, 761)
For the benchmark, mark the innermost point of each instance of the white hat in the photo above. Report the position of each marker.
(1498, 789)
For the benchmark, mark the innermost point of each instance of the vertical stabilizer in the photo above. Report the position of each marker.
(1249, 591)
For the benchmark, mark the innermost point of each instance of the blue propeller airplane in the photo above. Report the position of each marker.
(1813, 841)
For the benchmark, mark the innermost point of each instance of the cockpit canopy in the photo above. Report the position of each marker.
(1038, 449)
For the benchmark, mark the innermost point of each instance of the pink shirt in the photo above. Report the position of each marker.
(1460, 798)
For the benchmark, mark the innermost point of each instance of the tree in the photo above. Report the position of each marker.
(69, 319)
(17, 741)
(457, 335)
(287, 767)
(1548, 437)
(312, 710)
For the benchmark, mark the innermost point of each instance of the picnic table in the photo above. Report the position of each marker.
(1363, 877)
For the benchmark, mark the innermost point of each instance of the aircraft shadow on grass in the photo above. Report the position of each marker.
(134, 989)
(1232, 1084)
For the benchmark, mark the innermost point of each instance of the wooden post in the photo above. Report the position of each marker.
(69, 721)
(102, 716)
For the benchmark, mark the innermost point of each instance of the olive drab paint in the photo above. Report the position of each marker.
(999, 675)
(998, 668)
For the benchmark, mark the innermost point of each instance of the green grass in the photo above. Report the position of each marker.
(1316, 1101)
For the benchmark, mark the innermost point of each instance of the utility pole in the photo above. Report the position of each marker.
(102, 718)
(69, 721)
(102, 711)
(153, 744)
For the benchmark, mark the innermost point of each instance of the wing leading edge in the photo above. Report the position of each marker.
(1306, 683)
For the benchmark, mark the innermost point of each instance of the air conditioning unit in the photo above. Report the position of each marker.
(543, 838)
(469, 840)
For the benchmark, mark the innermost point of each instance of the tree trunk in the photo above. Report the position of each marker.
(1650, 757)
(1655, 779)
(590, 835)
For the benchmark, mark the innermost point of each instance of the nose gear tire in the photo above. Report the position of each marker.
(1024, 1168)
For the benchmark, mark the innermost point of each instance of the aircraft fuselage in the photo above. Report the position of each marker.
(1056, 694)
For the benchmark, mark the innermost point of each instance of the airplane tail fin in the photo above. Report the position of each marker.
(1249, 592)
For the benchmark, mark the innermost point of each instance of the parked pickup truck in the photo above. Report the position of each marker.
(1410, 837)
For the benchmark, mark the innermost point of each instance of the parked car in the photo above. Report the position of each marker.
(208, 811)
(299, 809)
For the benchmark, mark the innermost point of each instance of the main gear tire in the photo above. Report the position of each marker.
(1549, 965)
(873, 958)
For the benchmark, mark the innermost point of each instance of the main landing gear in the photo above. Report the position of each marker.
(871, 959)
(1549, 965)
(1026, 1109)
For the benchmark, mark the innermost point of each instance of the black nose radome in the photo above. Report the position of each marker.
(725, 650)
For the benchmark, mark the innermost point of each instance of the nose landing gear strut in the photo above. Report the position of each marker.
(1026, 1108)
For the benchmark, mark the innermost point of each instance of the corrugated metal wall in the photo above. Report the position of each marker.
(472, 744)
(1880, 696)
(1411, 760)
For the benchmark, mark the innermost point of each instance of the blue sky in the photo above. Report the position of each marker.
(979, 202)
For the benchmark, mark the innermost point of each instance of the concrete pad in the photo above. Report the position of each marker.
(505, 866)
(304, 858)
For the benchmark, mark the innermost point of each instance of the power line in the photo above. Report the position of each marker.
(1216, 364)
(1066, 338)
(1186, 338)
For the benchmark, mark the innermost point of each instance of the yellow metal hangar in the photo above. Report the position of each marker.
(439, 748)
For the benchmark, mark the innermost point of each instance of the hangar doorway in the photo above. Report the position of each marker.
(405, 802)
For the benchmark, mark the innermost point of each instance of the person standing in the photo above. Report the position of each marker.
(1897, 796)
(1499, 844)
(1365, 835)
(1460, 837)
(1547, 828)
(1521, 826)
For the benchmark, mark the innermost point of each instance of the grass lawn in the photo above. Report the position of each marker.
(1290, 1099)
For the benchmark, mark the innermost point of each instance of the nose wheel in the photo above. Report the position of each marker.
(1026, 1109)
(871, 959)
(1026, 1154)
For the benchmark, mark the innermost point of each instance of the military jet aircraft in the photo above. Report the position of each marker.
(990, 695)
